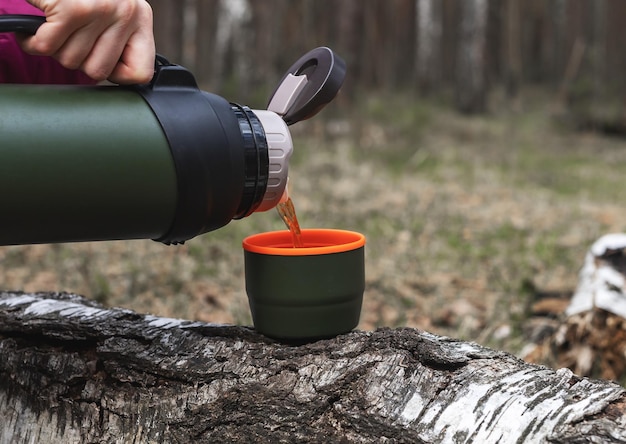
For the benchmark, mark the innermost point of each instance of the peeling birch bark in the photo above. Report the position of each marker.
(590, 337)
(602, 279)
(72, 371)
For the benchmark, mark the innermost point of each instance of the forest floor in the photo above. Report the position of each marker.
(469, 222)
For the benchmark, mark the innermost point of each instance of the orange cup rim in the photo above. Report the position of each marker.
(278, 243)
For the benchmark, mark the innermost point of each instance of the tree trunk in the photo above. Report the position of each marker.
(429, 33)
(72, 371)
(471, 85)
(557, 15)
(513, 54)
(205, 36)
(168, 28)
(349, 36)
(231, 43)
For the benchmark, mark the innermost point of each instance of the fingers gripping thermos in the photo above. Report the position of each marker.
(163, 161)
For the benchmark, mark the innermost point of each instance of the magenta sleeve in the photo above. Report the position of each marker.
(18, 67)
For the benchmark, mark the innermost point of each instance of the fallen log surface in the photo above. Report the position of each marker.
(72, 371)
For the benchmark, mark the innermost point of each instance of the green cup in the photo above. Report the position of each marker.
(308, 293)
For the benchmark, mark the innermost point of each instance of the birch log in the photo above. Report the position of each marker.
(74, 372)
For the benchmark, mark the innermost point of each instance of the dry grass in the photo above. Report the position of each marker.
(464, 218)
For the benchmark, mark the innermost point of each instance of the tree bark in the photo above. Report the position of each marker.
(590, 336)
(231, 40)
(471, 82)
(429, 34)
(513, 53)
(205, 37)
(168, 28)
(73, 371)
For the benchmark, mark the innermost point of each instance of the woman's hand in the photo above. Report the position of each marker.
(106, 39)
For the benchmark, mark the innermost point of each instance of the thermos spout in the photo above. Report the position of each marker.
(280, 147)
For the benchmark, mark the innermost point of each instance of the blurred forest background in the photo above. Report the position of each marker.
(461, 49)
(476, 143)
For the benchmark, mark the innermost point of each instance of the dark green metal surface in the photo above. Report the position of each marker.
(82, 163)
(305, 297)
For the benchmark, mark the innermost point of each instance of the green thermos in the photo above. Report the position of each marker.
(163, 161)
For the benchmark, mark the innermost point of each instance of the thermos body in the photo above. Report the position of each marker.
(82, 163)
(163, 161)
